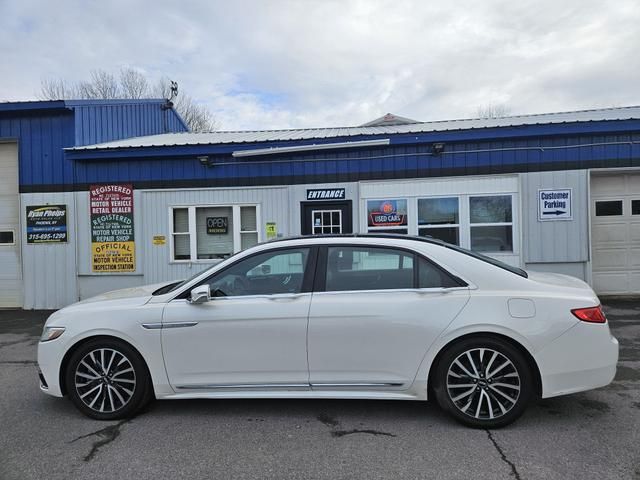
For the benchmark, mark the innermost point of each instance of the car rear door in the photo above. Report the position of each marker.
(374, 313)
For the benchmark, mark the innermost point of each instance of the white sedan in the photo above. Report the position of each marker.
(360, 316)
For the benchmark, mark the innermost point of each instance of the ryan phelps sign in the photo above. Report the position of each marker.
(46, 223)
(112, 242)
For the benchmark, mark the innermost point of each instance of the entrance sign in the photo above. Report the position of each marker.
(112, 241)
(326, 194)
(46, 224)
(554, 205)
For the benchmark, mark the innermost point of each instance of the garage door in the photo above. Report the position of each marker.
(10, 270)
(615, 233)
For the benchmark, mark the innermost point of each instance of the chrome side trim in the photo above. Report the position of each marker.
(283, 385)
(179, 324)
(334, 385)
(241, 385)
(159, 325)
(152, 326)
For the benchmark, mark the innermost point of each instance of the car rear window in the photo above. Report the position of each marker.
(484, 258)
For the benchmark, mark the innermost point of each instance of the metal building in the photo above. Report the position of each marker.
(39, 272)
(555, 192)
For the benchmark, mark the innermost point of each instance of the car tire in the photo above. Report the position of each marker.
(107, 379)
(483, 382)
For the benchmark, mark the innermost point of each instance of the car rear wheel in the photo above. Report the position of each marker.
(483, 382)
(107, 379)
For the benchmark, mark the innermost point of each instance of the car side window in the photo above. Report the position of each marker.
(431, 276)
(368, 268)
(269, 273)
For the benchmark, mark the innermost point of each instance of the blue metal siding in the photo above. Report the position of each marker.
(392, 162)
(99, 123)
(41, 137)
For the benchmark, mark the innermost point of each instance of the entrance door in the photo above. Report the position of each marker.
(10, 271)
(323, 218)
(615, 233)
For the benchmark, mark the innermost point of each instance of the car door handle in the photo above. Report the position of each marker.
(284, 297)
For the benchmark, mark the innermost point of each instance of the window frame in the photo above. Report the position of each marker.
(458, 225)
(471, 225)
(193, 236)
(320, 280)
(13, 236)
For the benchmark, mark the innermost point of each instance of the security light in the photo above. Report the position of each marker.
(204, 160)
(437, 148)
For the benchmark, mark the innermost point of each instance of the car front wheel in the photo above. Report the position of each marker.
(107, 379)
(483, 382)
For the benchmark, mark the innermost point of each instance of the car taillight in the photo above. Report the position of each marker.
(591, 314)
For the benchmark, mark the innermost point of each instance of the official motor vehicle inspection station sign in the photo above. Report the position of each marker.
(112, 240)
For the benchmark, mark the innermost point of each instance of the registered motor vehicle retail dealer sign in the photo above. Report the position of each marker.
(554, 205)
(112, 240)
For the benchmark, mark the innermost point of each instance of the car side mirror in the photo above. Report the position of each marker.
(200, 294)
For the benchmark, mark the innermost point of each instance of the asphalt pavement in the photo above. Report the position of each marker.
(591, 435)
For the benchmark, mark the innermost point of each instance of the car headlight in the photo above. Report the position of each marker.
(51, 333)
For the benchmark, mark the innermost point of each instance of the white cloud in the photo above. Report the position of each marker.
(280, 64)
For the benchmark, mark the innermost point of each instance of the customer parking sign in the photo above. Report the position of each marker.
(554, 205)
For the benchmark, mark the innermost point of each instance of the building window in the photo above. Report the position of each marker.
(387, 216)
(491, 223)
(6, 237)
(212, 232)
(180, 234)
(609, 208)
(635, 207)
(439, 218)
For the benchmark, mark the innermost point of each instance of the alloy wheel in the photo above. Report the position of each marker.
(105, 380)
(483, 383)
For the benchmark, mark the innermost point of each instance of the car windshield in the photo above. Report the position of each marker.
(175, 285)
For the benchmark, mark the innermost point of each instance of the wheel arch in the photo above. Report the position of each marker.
(533, 366)
(69, 353)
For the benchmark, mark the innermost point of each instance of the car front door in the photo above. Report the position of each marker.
(251, 334)
(375, 315)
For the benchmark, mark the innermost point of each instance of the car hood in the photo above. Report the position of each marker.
(134, 296)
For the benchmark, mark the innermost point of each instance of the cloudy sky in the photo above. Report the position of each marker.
(281, 64)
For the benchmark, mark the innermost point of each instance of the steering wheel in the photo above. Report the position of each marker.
(240, 285)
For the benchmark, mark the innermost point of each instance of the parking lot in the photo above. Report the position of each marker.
(589, 435)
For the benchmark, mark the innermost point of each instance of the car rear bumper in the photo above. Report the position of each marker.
(583, 358)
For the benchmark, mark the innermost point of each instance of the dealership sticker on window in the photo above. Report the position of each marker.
(554, 205)
(387, 213)
(46, 223)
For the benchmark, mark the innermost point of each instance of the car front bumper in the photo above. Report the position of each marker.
(50, 356)
(582, 358)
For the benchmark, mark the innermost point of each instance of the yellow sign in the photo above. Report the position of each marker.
(159, 240)
(113, 256)
(271, 229)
